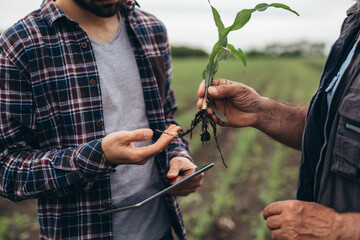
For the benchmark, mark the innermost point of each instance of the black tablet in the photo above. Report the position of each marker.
(156, 190)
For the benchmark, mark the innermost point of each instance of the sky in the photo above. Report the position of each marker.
(190, 22)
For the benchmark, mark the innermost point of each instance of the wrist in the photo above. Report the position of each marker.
(264, 116)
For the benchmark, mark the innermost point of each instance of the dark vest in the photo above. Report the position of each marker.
(330, 167)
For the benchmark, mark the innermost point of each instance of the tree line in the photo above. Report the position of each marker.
(298, 49)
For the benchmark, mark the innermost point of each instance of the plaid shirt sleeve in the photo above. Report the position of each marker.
(28, 171)
(179, 147)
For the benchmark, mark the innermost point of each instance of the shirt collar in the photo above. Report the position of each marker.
(353, 9)
(52, 12)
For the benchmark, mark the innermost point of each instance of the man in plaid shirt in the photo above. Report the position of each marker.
(57, 143)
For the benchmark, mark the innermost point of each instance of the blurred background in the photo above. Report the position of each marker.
(286, 54)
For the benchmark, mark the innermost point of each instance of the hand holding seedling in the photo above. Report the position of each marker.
(221, 52)
(118, 147)
(237, 102)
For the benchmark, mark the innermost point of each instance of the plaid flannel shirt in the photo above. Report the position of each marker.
(51, 123)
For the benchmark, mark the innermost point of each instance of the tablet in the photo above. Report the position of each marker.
(148, 194)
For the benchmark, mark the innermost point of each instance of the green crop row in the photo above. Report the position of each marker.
(259, 170)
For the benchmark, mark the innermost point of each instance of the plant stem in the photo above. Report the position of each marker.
(205, 104)
(208, 82)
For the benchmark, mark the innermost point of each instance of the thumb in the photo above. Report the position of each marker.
(139, 135)
(220, 91)
(174, 170)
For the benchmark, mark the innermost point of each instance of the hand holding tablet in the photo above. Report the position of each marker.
(156, 190)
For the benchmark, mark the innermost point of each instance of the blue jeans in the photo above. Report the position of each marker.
(167, 236)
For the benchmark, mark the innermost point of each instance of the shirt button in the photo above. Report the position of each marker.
(105, 204)
(84, 44)
(92, 81)
(99, 123)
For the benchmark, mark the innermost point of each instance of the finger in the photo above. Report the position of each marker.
(194, 182)
(200, 103)
(201, 89)
(168, 135)
(186, 188)
(222, 88)
(273, 209)
(222, 91)
(180, 166)
(144, 153)
(220, 82)
(174, 170)
(274, 222)
(278, 234)
(138, 135)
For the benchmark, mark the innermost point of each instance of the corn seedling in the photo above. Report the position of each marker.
(221, 52)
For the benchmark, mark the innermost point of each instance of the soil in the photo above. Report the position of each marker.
(236, 225)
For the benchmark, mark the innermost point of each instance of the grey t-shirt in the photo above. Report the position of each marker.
(124, 109)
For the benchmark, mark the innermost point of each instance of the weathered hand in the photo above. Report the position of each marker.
(238, 102)
(294, 219)
(181, 167)
(118, 147)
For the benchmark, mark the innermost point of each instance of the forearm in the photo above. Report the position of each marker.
(348, 226)
(31, 174)
(283, 122)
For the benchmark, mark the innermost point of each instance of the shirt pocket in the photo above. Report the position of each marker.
(347, 145)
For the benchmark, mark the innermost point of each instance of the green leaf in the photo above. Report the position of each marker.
(241, 19)
(219, 24)
(261, 7)
(214, 69)
(207, 75)
(218, 114)
(283, 6)
(238, 53)
(223, 54)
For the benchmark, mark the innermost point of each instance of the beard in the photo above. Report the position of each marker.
(105, 11)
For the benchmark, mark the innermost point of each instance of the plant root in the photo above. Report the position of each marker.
(205, 119)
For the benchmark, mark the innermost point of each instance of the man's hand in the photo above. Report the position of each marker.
(238, 102)
(244, 107)
(294, 219)
(181, 167)
(118, 147)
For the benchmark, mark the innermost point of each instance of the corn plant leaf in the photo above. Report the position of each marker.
(223, 54)
(217, 113)
(261, 7)
(208, 75)
(238, 53)
(241, 19)
(283, 6)
(217, 19)
(222, 50)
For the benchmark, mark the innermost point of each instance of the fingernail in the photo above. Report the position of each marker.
(213, 91)
(148, 133)
(172, 176)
